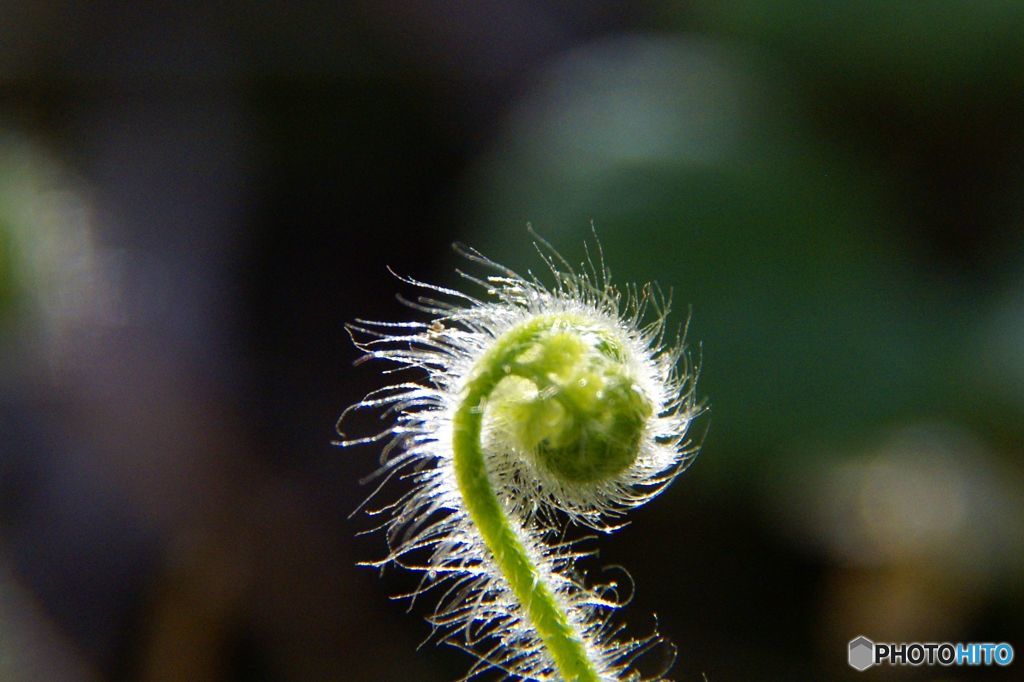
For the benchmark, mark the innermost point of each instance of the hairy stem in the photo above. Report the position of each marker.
(538, 601)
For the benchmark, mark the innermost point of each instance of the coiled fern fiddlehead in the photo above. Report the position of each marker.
(542, 404)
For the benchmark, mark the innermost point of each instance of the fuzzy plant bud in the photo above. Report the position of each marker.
(568, 398)
(541, 406)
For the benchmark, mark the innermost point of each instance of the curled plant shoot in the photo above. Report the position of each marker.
(542, 405)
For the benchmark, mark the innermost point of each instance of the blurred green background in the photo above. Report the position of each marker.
(194, 199)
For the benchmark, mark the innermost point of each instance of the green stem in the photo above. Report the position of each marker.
(537, 600)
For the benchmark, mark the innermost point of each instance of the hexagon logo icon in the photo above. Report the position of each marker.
(862, 653)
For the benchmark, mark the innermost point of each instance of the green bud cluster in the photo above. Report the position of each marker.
(569, 399)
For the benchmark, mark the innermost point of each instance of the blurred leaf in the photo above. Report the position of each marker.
(921, 51)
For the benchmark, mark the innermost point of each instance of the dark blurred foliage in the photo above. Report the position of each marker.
(194, 198)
